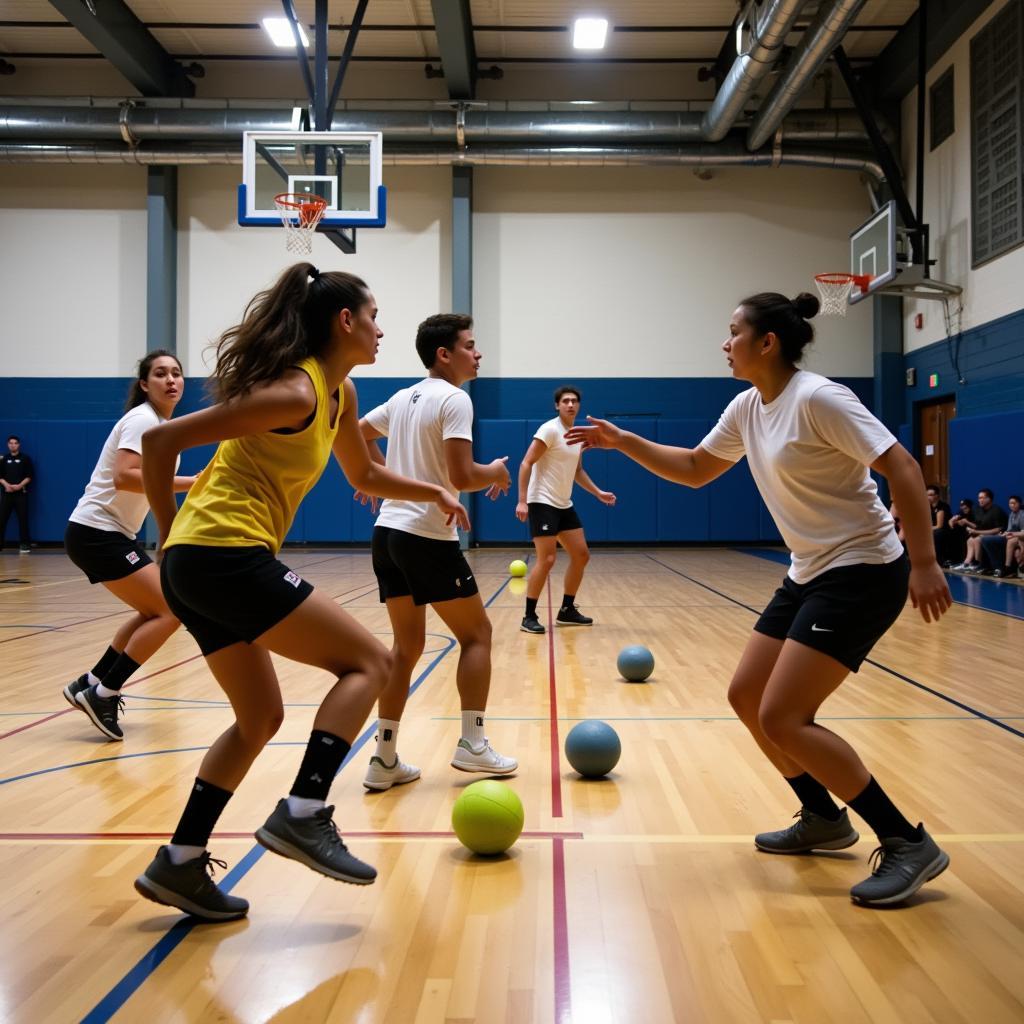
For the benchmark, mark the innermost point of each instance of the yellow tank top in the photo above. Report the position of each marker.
(250, 491)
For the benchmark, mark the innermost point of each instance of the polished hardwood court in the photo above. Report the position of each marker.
(638, 898)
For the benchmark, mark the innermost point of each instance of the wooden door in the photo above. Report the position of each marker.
(933, 439)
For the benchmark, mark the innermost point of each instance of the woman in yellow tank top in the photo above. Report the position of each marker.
(285, 404)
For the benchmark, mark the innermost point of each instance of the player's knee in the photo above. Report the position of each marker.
(547, 561)
(744, 699)
(776, 724)
(259, 729)
(582, 557)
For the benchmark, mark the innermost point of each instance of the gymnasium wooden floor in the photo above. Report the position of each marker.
(635, 899)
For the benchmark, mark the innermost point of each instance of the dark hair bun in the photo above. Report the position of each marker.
(806, 305)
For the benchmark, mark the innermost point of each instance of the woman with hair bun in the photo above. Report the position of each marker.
(810, 443)
(101, 541)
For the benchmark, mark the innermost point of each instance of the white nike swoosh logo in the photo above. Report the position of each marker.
(820, 629)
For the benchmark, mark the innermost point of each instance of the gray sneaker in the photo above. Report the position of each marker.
(811, 832)
(899, 868)
(102, 711)
(314, 842)
(74, 688)
(189, 887)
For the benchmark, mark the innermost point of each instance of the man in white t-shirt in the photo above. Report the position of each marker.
(416, 554)
(546, 475)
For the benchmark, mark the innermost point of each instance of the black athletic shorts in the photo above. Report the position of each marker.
(842, 613)
(428, 570)
(226, 596)
(103, 555)
(548, 521)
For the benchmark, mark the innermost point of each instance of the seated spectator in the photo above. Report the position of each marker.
(956, 542)
(997, 548)
(989, 521)
(941, 513)
(1016, 545)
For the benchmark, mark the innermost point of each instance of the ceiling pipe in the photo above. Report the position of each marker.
(768, 30)
(822, 36)
(140, 122)
(729, 153)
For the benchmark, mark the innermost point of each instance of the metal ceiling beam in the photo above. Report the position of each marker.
(115, 31)
(894, 72)
(453, 24)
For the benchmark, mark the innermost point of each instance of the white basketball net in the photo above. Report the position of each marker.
(834, 290)
(300, 215)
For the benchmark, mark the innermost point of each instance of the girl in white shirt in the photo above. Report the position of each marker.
(101, 541)
(809, 443)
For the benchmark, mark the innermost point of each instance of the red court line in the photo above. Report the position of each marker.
(556, 768)
(556, 836)
(560, 924)
(67, 625)
(134, 682)
(71, 711)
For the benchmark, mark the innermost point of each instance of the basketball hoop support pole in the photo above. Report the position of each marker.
(891, 169)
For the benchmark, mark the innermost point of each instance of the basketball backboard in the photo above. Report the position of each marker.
(878, 251)
(342, 167)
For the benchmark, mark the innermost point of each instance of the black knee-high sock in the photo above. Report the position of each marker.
(119, 673)
(814, 796)
(568, 600)
(204, 807)
(884, 817)
(104, 665)
(531, 607)
(320, 763)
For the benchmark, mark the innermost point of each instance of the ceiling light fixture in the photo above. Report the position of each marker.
(589, 33)
(280, 31)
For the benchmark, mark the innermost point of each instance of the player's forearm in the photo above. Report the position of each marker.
(666, 461)
(908, 491)
(583, 479)
(525, 472)
(383, 483)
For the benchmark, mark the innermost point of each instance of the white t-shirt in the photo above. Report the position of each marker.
(554, 472)
(808, 452)
(417, 421)
(103, 507)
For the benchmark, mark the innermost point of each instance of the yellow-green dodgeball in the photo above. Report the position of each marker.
(488, 817)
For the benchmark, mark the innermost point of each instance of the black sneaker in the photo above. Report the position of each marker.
(189, 887)
(571, 617)
(899, 868)
(315, 842)
(531, 624)
(102, 711)
(811, 832)
(74, 688)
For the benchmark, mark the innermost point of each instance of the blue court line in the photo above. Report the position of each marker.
(112, 1002)
(868, 661)
(729, 718)
(979, 592)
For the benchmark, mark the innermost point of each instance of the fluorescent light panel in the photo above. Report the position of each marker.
(589, 33)
(280, 31)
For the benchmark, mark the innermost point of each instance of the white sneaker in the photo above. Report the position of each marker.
(380, 777)
(485, 760)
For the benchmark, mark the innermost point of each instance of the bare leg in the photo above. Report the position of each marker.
(319, 633)
(409, 625)
(544, 563)
(575, 545)
(142, 592)
(467, 618)
(799, 683)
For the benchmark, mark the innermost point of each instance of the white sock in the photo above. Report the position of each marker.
(180, 854)
(387, 740)
(91, 679)
(473, 728)
(304, 806)
(105, 693)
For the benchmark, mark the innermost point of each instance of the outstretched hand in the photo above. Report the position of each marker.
(454, 510)
(606, 498)
(929, 591)
(367, 499)
(600, 434)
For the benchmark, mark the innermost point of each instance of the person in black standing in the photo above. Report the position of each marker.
(16, 474)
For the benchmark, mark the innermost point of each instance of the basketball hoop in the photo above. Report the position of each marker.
(834, 290)
(300, 214)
